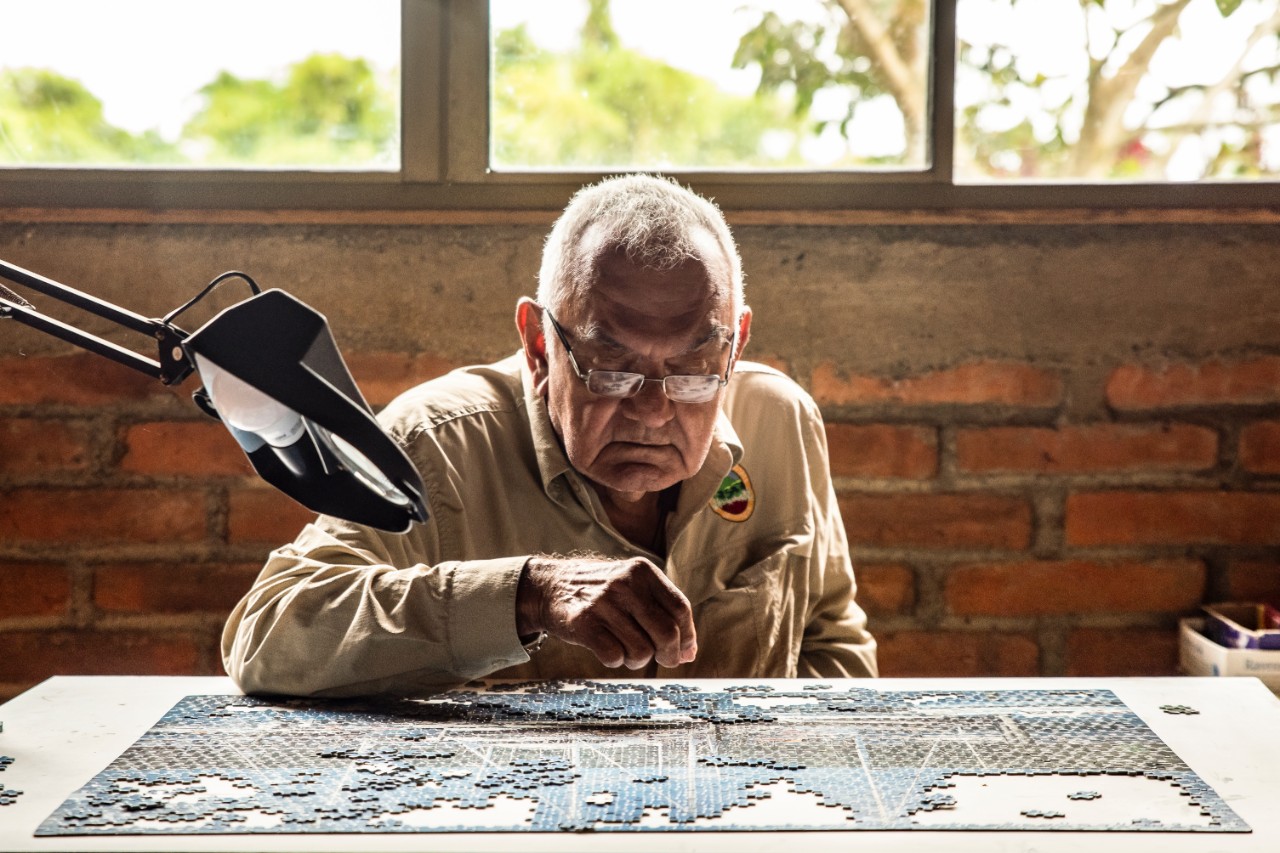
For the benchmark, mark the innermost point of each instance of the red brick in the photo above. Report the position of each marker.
(1122, 651)
(265, 515)
(188, 448)
(77, 380)
(937, 520)
(1212, 383)
(171, 588)
(34, 589)
(1260, 447)
(1254, 580)
(928, 654)
(35, 655)
(1173, 518)
(382, 376)
(980, 383)
(1040, 587)
(885, 589)
(42, 446)
(1084, 449)
(101, 515)
(882, 450)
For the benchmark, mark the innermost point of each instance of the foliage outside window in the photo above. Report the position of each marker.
(1067, 91)
(804, 85)
(1117, 89)
(256, 95)
(1044, 89)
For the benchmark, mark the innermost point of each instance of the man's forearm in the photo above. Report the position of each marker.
(311, 628)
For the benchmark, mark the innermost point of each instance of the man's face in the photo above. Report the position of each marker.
(656, 323)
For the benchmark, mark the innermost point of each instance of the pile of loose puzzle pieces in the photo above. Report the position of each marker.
(586, 756)
(7, 796)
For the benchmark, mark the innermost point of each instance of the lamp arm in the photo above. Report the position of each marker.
(286, 395)
(173, 364)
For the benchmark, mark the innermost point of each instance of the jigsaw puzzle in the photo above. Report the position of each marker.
(584, 756)
(8, 796)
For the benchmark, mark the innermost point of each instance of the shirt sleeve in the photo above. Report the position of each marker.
(836, 642)
(346, 611)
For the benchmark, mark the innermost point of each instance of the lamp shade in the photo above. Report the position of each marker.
(274, 376)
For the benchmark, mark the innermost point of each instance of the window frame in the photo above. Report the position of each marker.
(444, 96)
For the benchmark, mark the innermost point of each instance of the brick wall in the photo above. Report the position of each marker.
(996, 535)
(1049, 444)
(992, 536)
(130, 523)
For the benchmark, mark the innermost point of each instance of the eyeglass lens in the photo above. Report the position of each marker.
(680, 388)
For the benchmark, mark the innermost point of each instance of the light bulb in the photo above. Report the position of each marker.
(246, 408)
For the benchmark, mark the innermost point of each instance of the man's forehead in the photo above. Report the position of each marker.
(680, 291)
(695, 337)
(698, 246)
(628, 305)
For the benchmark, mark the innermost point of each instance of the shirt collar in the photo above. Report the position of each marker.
(552, 461)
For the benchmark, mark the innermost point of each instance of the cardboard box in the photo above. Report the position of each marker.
(1240, 625)
(1198, 655)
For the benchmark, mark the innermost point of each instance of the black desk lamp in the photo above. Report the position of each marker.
(273, 375)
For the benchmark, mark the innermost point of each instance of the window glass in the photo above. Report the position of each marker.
(237, 83)
(1098, 90)
(709, 84)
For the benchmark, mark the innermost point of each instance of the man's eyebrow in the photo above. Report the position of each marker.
(591, 333)
(596, 336)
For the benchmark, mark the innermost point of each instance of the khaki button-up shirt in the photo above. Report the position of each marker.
(755, 542)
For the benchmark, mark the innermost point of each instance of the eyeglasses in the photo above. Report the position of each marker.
(679, 388)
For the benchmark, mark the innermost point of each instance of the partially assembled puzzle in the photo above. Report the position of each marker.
(614, 757)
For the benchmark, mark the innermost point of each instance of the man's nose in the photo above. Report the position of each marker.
(650, 405)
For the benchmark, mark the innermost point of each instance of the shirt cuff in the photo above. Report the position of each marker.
(482, 616)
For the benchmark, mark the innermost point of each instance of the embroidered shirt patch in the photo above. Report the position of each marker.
(735, 500)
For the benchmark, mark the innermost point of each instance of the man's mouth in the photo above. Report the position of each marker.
(641, 447)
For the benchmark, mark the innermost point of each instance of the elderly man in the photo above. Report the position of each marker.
(625, 491)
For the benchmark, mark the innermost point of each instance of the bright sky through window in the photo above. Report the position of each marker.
(583, 84)
(147, 60)
(1182, 90)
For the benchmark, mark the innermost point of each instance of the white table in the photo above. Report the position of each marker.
(66, 730)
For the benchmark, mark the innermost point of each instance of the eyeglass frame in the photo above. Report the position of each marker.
(585, 376)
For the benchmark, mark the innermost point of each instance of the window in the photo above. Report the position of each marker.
(238, 83)
(787, 85)
(1120, 90)
(803, 104)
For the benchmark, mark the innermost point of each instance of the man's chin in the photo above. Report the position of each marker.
(638, 472)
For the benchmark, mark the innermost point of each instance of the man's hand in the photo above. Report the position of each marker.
(625, 611)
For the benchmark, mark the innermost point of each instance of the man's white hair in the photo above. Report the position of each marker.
(655, 221)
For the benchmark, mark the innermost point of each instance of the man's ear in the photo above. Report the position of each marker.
(744, 332)
(532, 339)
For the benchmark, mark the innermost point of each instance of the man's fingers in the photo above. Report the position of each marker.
(677, 607)
(605, 647)
(663, 631)
(627, 612)
(615, 638)
(638, 644)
